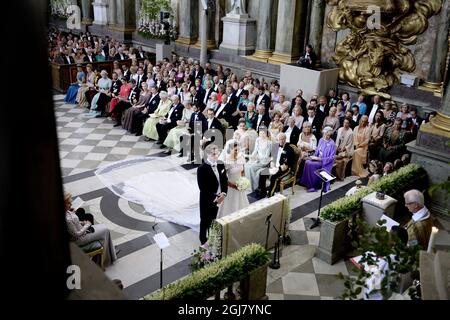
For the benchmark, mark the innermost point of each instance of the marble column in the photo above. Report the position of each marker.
(112, 13)
(438, 59)
(291, 19)
(264, 31)
(86, 12)
(100, 12)
(316, 26)
(189, 22)
(211, 33)
(220, 13)
(125, 20)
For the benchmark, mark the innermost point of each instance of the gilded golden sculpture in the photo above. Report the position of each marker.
(372, 56)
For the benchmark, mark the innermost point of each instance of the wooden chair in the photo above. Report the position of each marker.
(95, 249)
(291, 179)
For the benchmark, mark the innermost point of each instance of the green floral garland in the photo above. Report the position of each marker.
(344, 208)
(216, 276)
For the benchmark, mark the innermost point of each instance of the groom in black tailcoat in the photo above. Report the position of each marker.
(213, 184)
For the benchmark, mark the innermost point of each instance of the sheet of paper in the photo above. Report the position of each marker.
(326, 176)
(77, 203)
(389, 222)
(161, 240)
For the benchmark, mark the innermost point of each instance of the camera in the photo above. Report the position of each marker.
(164, 16)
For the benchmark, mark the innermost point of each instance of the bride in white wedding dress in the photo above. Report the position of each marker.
(234, 164)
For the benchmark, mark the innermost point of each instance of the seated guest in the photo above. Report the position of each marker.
(291, 131)
(102, 97)
(323, 109)
(90, 77)
(150, 108)
(388, 168)
(315, 122)
(349, 115)
(93, 90)
(376, 134)
(346, 101)
(224, 112)
(173, 138)
(375, 171)
(374, 108)
(126, 103)
(130, 116)
(398, 164)
(170, 120)
(414, 123)
(83, 232)
(308, 59)
(394, 142)
(276, 126)
(262, 98)
(72, 92)
(361, 105)
(332, 121)
(323, 158)
(390, 113)
(307, 142)
(149, 130)
(124, 92)
(262, 118)
(361, 137)
(285, 112)
(299, 119)
(116, 84)
(430, 116)
(340, 113)
(406, 159)
(250, 115)
(241, 106)
(211, 104)
(244, 139)
(356, 114)
(404, 114)
(120, 55)
(281, 167)
(421, 223)
(299, 101)
(344, 152)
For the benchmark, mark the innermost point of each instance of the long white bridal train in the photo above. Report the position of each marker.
(160, 185)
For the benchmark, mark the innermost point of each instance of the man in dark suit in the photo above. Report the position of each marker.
(291, 131)
(126, 72)
(197, 127)
(89, 57)
(67, 58)
(284, 162)
(197, 99)
(262, 119)
(213, 129)
(315, 122)
(356, 115)
(372, 110)
(308, 59)
(225, 110)
(262, 98)
(232, 98)
(120, 55)
(213, 184)
(197, 73)
(414, 123)
(207, 92)
(141, 54)
(322, 108)
(150, 108)
(240, 89)
(170, 120)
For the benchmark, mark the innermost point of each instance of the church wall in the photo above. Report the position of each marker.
(328, 43)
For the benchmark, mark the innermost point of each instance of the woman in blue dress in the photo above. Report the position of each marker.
(71, 96)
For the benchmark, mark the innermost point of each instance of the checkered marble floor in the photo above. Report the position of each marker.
(86, 144)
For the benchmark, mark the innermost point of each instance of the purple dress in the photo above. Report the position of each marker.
(326, 150)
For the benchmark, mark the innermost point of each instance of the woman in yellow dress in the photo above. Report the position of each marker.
(163, 108)
(361, 137)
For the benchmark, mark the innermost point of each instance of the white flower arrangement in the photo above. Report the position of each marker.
(242, 184)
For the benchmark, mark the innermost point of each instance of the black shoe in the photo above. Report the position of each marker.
(168, 152)
(138, 134)
(180, 155)
(117, 125)
(162, 146)
(158, 142)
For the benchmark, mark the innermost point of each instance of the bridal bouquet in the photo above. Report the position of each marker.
(242, 184)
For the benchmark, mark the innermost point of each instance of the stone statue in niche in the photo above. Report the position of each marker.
(238, 7)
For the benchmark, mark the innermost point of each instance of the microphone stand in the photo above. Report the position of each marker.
(317, 221)
(268, 222)
(275, 264)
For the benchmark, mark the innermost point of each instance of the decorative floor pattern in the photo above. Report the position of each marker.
(86, 144)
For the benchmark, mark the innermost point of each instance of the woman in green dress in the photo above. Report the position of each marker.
(163, 108)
